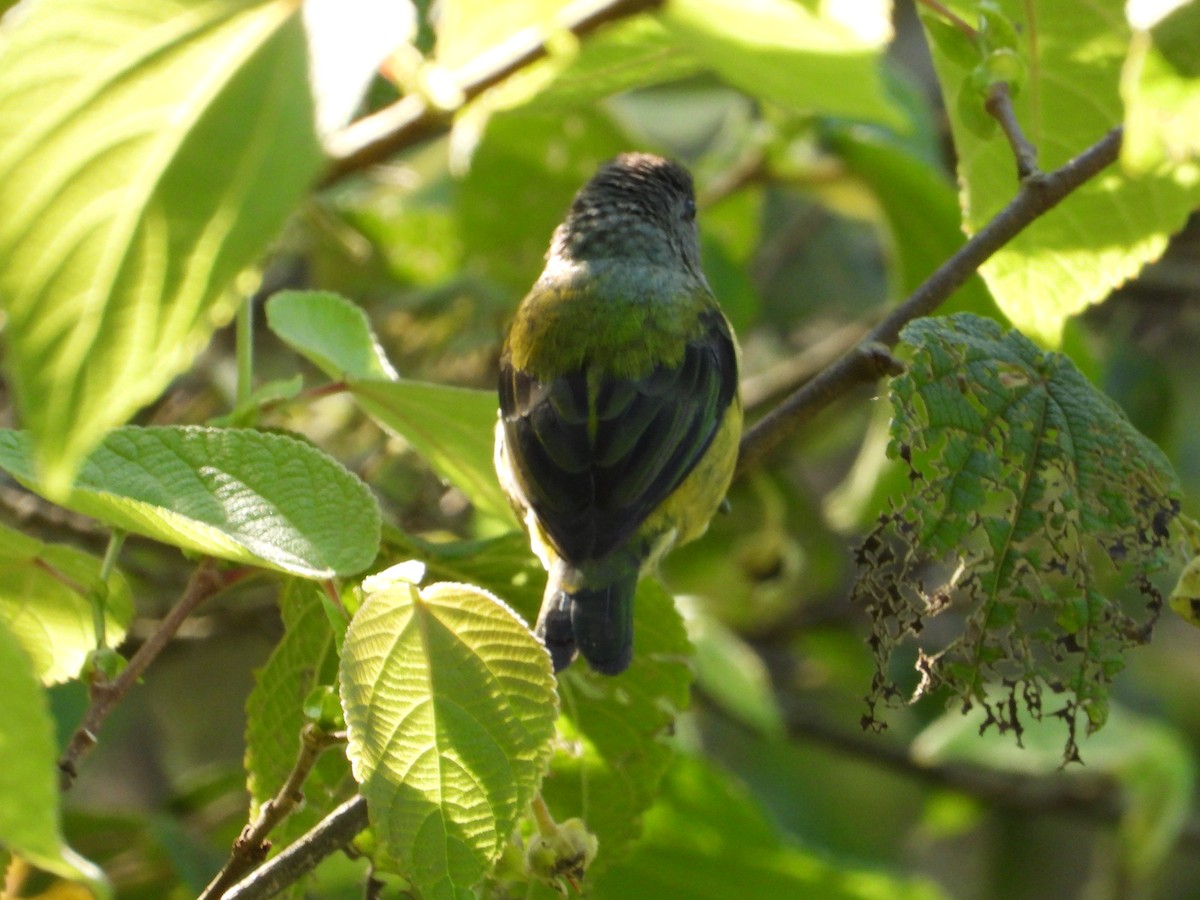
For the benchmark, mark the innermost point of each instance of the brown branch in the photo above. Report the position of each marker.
(206, 581)
(327, 837)
(1037, 195)
(1096, 798)
(999, 106)
(413, 119)
(1093, 796)
(252, 846)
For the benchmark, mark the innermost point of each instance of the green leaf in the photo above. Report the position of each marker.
(45, 601)
(236, 494)
(451, 427)
(149, 154)
(706, 839)
(1161, 90)
(305, 657)
(29, 815)
(1046, 512)
(781, 51)
(1150, 761)
(614, 751)
(1102, 234)
(450, 707)
(330, 332)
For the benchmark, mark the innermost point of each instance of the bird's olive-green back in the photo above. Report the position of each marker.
(620, 319)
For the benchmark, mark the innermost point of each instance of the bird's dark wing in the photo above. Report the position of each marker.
(592, 487)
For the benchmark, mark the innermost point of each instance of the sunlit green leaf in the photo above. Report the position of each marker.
(237, 494)
(450, 706)
(45, 592)
(1106, 231)
(148, 153)
(1161, 90)
(329, 331)
(29, 815)
(781, 51)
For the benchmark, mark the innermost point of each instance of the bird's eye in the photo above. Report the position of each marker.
(689, 210)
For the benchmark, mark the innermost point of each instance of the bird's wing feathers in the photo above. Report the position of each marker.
(595, 460)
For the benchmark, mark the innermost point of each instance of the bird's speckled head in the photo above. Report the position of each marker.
(638, 208)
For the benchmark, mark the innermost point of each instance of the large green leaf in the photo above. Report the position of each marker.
(148, 153)
(450, 706)
(305, 658)
(29, 815)
(1161, 89)
(607, 769)
(784, 52)
(331, 332)
(451, 427)
(706, 839)
(616, 730)
(46, 596)
(1037, 513)
(237, 494)
(1103, 233)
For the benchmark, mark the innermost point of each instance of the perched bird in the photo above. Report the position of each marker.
(619, 406)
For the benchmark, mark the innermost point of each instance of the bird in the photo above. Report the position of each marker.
(620, 410)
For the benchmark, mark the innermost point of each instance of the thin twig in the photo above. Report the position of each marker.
(999, 107)
(252, 846)
(412, 119)
(328, 836)
(1036, 196)
(206, 581)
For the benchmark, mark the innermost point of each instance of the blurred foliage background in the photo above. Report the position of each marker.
(811, 225)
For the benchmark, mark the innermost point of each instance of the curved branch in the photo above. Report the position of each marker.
(412, 119)
(1037, 195)
(325, 838)
(206, 581)
(252, 846)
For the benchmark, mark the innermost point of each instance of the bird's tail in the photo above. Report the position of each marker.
(594, 619)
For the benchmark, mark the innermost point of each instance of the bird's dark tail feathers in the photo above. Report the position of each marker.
(595, 620)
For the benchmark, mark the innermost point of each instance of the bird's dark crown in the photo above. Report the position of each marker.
(638, 206)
